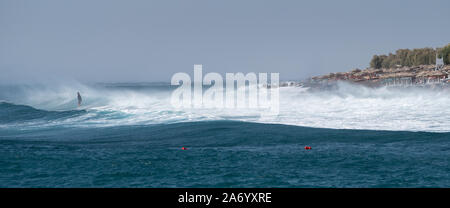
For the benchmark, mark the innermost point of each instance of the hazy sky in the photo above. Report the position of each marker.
(133, 40)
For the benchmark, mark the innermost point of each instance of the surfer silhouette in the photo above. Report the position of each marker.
(79, 99)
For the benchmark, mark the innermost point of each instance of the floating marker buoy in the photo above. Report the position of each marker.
(184, 148)
(307, 147)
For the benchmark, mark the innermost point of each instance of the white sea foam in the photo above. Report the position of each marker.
(348, 107)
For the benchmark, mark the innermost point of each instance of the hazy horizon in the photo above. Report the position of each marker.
(142, 41)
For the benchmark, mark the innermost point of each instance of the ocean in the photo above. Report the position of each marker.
(128, 135)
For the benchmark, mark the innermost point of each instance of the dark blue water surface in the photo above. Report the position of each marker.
(219, 154)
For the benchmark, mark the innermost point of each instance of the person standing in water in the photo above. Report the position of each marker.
(79, 99)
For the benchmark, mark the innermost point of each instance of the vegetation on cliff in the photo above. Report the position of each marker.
(445, 53)
(407, 57)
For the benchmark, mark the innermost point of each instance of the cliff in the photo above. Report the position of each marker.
(423, 74)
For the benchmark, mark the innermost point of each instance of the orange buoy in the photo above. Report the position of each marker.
(184, 148)
(307, 147)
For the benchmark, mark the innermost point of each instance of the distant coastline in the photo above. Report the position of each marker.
(418, 67)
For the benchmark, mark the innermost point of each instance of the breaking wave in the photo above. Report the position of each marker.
(346, 107)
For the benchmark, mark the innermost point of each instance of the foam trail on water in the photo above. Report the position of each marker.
(357, 107)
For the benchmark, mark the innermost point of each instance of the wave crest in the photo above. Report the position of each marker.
(345, 107)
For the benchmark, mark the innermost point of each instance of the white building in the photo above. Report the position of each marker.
(439, 62)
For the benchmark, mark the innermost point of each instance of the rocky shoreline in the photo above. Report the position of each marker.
(423, 75)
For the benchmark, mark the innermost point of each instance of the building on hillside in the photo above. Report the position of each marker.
(398, 79)
(439, 63)
(431, 77)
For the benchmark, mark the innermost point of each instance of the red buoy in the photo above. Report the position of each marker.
(307, 147)
(184, 148)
